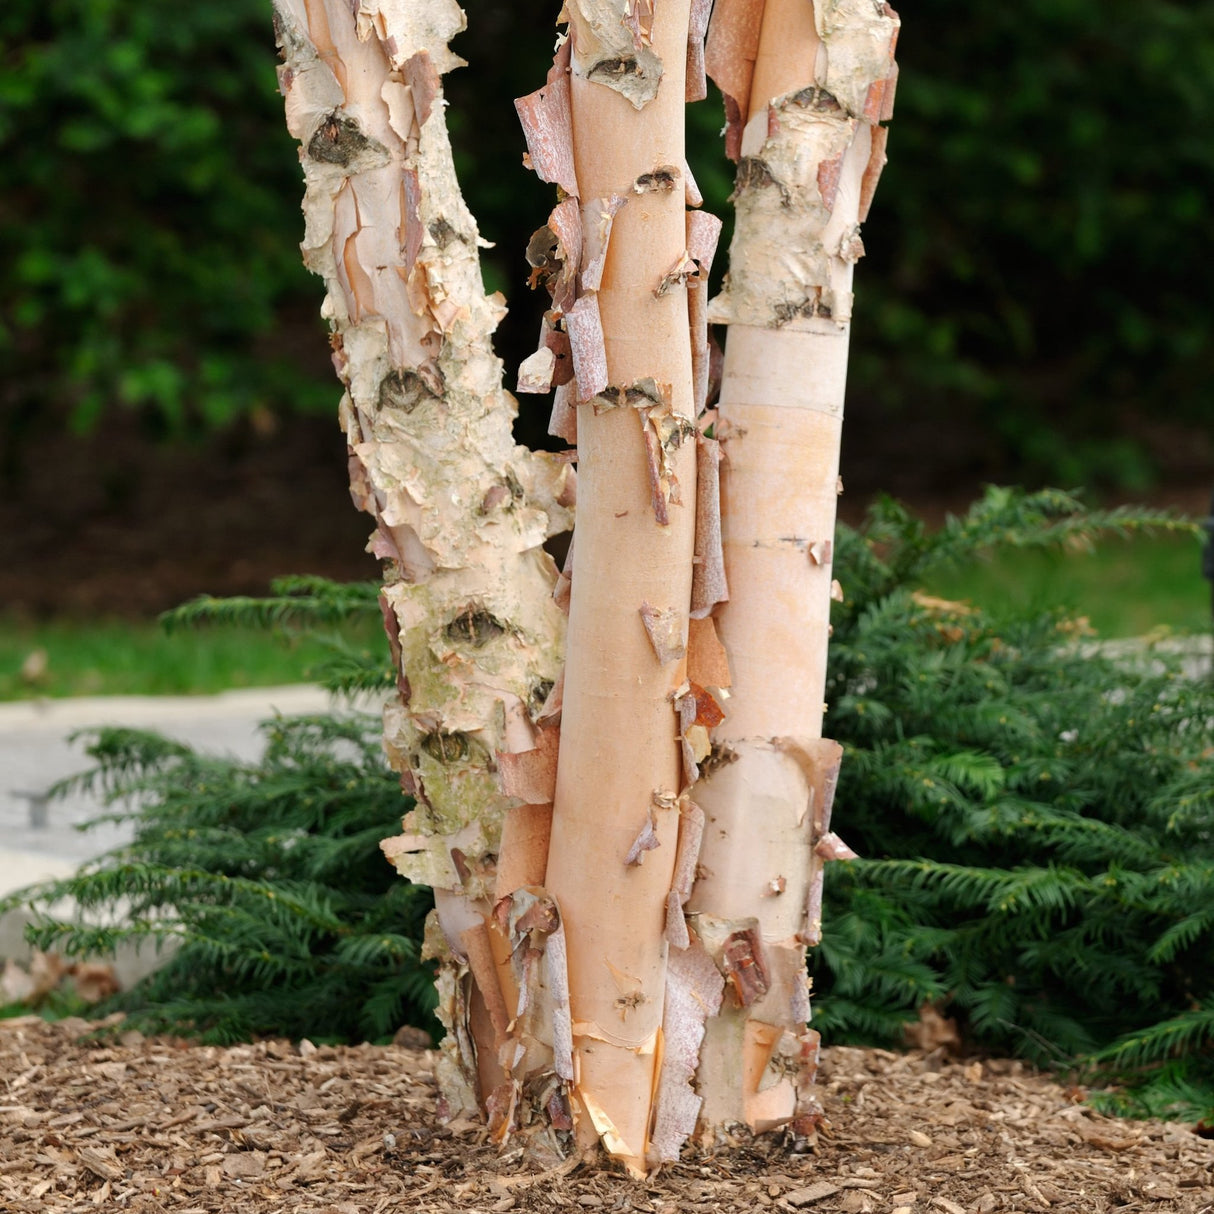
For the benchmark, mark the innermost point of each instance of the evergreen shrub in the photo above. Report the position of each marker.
(1035, 817)
(266, 878)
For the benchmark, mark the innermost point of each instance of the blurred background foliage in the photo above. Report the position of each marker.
(146, 253)
(1033, 306)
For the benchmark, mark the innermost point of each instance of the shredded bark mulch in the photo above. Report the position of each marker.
(160, 1125)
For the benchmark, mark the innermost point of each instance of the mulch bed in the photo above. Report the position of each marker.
(160, 1125)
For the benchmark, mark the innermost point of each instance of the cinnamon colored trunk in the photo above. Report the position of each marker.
(617, 264)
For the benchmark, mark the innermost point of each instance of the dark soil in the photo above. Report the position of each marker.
(120, 524)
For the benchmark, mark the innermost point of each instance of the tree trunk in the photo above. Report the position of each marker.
(586, 985)
(461, 511)
(806, 85)
(608, 129)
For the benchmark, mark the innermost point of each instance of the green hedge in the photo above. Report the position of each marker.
(1037, 251)
(149, 223)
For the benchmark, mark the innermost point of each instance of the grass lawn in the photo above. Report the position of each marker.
(1124, 588)
(118, 657)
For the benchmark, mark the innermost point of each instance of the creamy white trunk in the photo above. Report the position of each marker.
(806, 85)
(461, 511)
(574, 988)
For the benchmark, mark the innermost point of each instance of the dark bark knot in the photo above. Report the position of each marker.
(812, 305)
(538, 697)
(663, 178)
(754, 173)
(404, 390)
(447, 747)
(442, 233)
(474, 626)
(338, 140)
(816, 99)
(644, 394)
(682, 429)
(607, 70)
(720, 756)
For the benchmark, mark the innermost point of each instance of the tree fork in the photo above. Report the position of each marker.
(461, 511)
(806, 86)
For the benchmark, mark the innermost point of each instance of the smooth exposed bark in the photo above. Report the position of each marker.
(806, 86)
(461, 511)
(619, 256)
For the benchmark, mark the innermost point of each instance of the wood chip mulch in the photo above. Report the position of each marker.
(159, 1126)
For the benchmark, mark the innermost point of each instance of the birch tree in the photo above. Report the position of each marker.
(623, 898)
(806, 86)
(700, 1018)
(608, 129)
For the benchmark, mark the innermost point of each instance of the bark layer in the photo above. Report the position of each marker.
(461, 511)
(806, 86)
(618, 256)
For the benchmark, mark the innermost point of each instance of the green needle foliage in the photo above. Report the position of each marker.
(1036, 817)
(265, 880)
(299, 601)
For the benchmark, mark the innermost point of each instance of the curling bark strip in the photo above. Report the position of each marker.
(461, 512)
(806, 87)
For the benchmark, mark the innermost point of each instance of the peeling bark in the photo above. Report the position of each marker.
(627, 856)
(619, 282)
(461, 512)
(804, 84)
(614, 45)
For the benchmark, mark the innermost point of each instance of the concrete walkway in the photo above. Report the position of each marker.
(35, 752)
(40, 840)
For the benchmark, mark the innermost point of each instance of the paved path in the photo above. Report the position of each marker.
(35, 752)
(38, 842)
